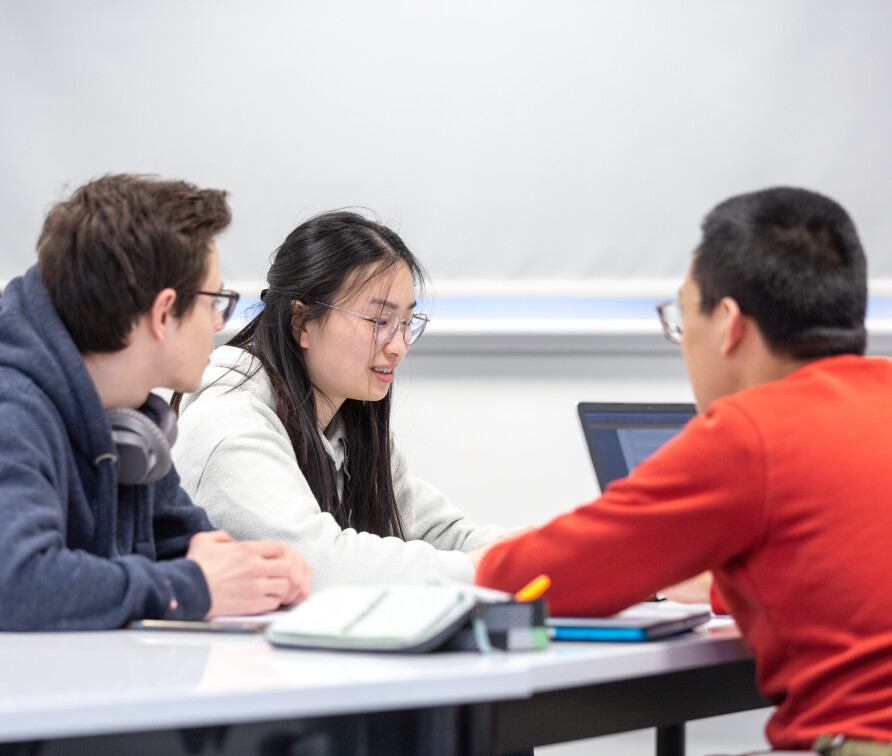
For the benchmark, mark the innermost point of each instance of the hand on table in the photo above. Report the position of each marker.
(249, 577)
(694, 590)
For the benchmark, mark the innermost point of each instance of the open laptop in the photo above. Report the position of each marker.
(619, 436)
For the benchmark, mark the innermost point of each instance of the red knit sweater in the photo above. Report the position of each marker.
(784, 490)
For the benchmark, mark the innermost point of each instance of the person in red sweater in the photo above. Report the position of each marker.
(780, 486)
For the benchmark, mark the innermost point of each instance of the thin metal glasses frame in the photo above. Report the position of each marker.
(671, 318)
(410, 334)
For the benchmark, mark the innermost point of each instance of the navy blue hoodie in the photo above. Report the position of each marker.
(77, 551)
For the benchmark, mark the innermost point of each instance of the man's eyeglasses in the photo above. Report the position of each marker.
(671, 318)
(388, 324)
(225, 301)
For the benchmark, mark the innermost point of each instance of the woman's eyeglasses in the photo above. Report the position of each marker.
(225, 301)
(388, 324)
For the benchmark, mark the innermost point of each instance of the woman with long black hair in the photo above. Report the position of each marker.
(289, 437)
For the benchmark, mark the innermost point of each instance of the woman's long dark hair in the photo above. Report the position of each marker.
(325, 259)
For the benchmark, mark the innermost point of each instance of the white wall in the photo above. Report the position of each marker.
(500, 435)
(506, 139)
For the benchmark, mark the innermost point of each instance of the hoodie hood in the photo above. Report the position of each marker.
(35, 344)
(233, 368)
(229, 368)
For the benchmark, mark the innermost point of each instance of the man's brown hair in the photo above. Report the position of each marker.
(106, 252)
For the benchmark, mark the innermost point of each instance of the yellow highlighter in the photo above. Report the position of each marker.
(532, 590)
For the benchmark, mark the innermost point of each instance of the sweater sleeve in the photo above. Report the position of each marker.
(45, 583)
(429, 516)
(694, 505)
(237, 462)
(175, 518)
(716, 601)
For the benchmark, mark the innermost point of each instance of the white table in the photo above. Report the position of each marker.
(168, 692)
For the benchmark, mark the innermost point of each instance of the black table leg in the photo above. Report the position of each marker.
(670, 740)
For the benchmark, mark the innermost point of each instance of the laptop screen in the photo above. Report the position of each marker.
(619, 436)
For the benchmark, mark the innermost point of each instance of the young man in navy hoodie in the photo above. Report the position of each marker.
(95, 530)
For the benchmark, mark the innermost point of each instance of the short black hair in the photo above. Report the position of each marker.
(792, 260)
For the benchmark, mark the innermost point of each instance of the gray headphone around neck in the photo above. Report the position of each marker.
(143, 438)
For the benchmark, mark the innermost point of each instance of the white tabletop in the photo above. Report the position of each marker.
(68, 684)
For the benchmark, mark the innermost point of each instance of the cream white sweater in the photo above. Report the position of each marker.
(236, 460)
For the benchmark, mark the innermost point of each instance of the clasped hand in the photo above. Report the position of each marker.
(249, 577)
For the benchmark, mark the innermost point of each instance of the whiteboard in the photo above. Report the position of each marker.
(506, 140)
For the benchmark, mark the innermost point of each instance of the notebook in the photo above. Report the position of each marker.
(412, 618)
(619, 436)
(641, 622)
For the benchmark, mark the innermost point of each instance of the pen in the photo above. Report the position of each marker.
(532, 590)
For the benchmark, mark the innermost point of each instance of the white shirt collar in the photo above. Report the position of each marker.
(334, 441)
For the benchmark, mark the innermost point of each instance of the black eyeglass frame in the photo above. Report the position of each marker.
(228, 296)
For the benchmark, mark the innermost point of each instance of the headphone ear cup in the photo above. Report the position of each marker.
(163, 415)
(143, 444)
